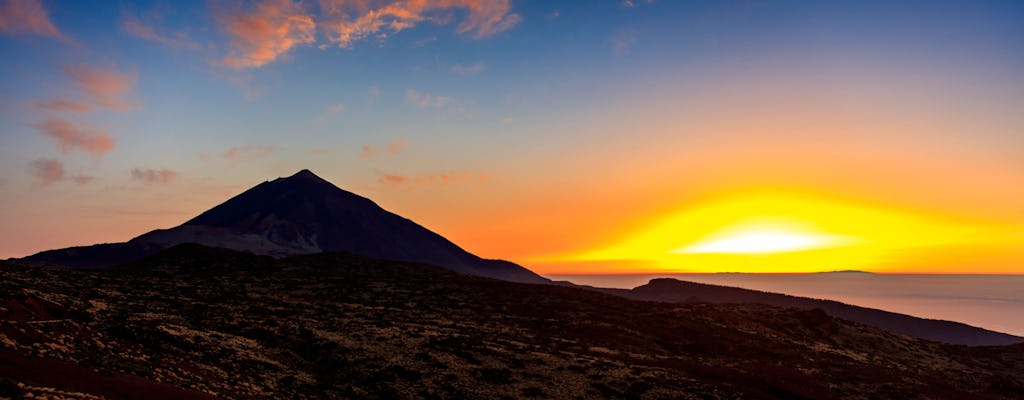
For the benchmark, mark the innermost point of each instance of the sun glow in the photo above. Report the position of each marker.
(764, 238)
(781, 232)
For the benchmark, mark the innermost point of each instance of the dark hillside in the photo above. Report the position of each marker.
(234, 325)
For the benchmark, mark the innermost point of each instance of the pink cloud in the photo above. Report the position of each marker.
(82, 179)
(104, 86)
(154, 176)
(70, 137)
(47, 171)
(392, 179)
(439, 178)
(27, 16)
(391, 147)
(63, 104)
(346, 22)
(267, 32)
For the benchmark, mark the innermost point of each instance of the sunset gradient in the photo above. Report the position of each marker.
(570, 137)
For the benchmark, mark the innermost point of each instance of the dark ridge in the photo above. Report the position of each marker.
(95, 256)
(334, 325)
(672, 290)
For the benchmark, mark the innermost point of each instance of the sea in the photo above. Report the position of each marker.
(994, 302)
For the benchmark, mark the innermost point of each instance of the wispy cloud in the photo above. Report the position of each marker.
(391, 179)
(27, 16)
(268, 30)
(346, 22)
(426, 100)
(71, 137)
(82, 179)
(48, 171)
(623, 41)
(265, 32)
(633, 3)
(436, 178)
(467, 69)
(147, 30)
(391, 147)
(246, 153)
(328, 112)
(101, 88)
(104, 87)
(64, 104)
(154, 176)
(250, 88)
(423, 42)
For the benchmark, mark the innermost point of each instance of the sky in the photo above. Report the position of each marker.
(570, 137)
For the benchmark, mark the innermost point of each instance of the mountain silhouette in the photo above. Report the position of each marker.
(305, 214)
(300, 214)
(676, 291)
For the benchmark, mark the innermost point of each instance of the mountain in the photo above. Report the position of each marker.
(304, 214)
(198, 322)
(676, 291)
(300, 214)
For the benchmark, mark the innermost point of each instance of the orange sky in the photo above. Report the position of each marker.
(570, 138)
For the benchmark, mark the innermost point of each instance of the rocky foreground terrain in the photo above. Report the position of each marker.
(197, 322)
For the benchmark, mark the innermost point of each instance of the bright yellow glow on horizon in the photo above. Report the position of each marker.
(783, 232)
(764, 237)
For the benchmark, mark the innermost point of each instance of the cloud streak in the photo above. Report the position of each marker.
(266, 32)
(345, 22)
(467, 69)
(435, 178)
(63, 104)
(27, 16)
(70, 137)
(391, 147)
(623, 41)
(147, 31)
(426, 100)
(246, 153)
(104, 87)
(154, 176)
(48, 171)
(327, 113)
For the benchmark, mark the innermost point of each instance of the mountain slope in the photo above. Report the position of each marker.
(235, 325)
(300, 214)
(672, 290)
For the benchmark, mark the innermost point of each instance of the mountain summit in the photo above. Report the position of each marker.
(300, 214)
